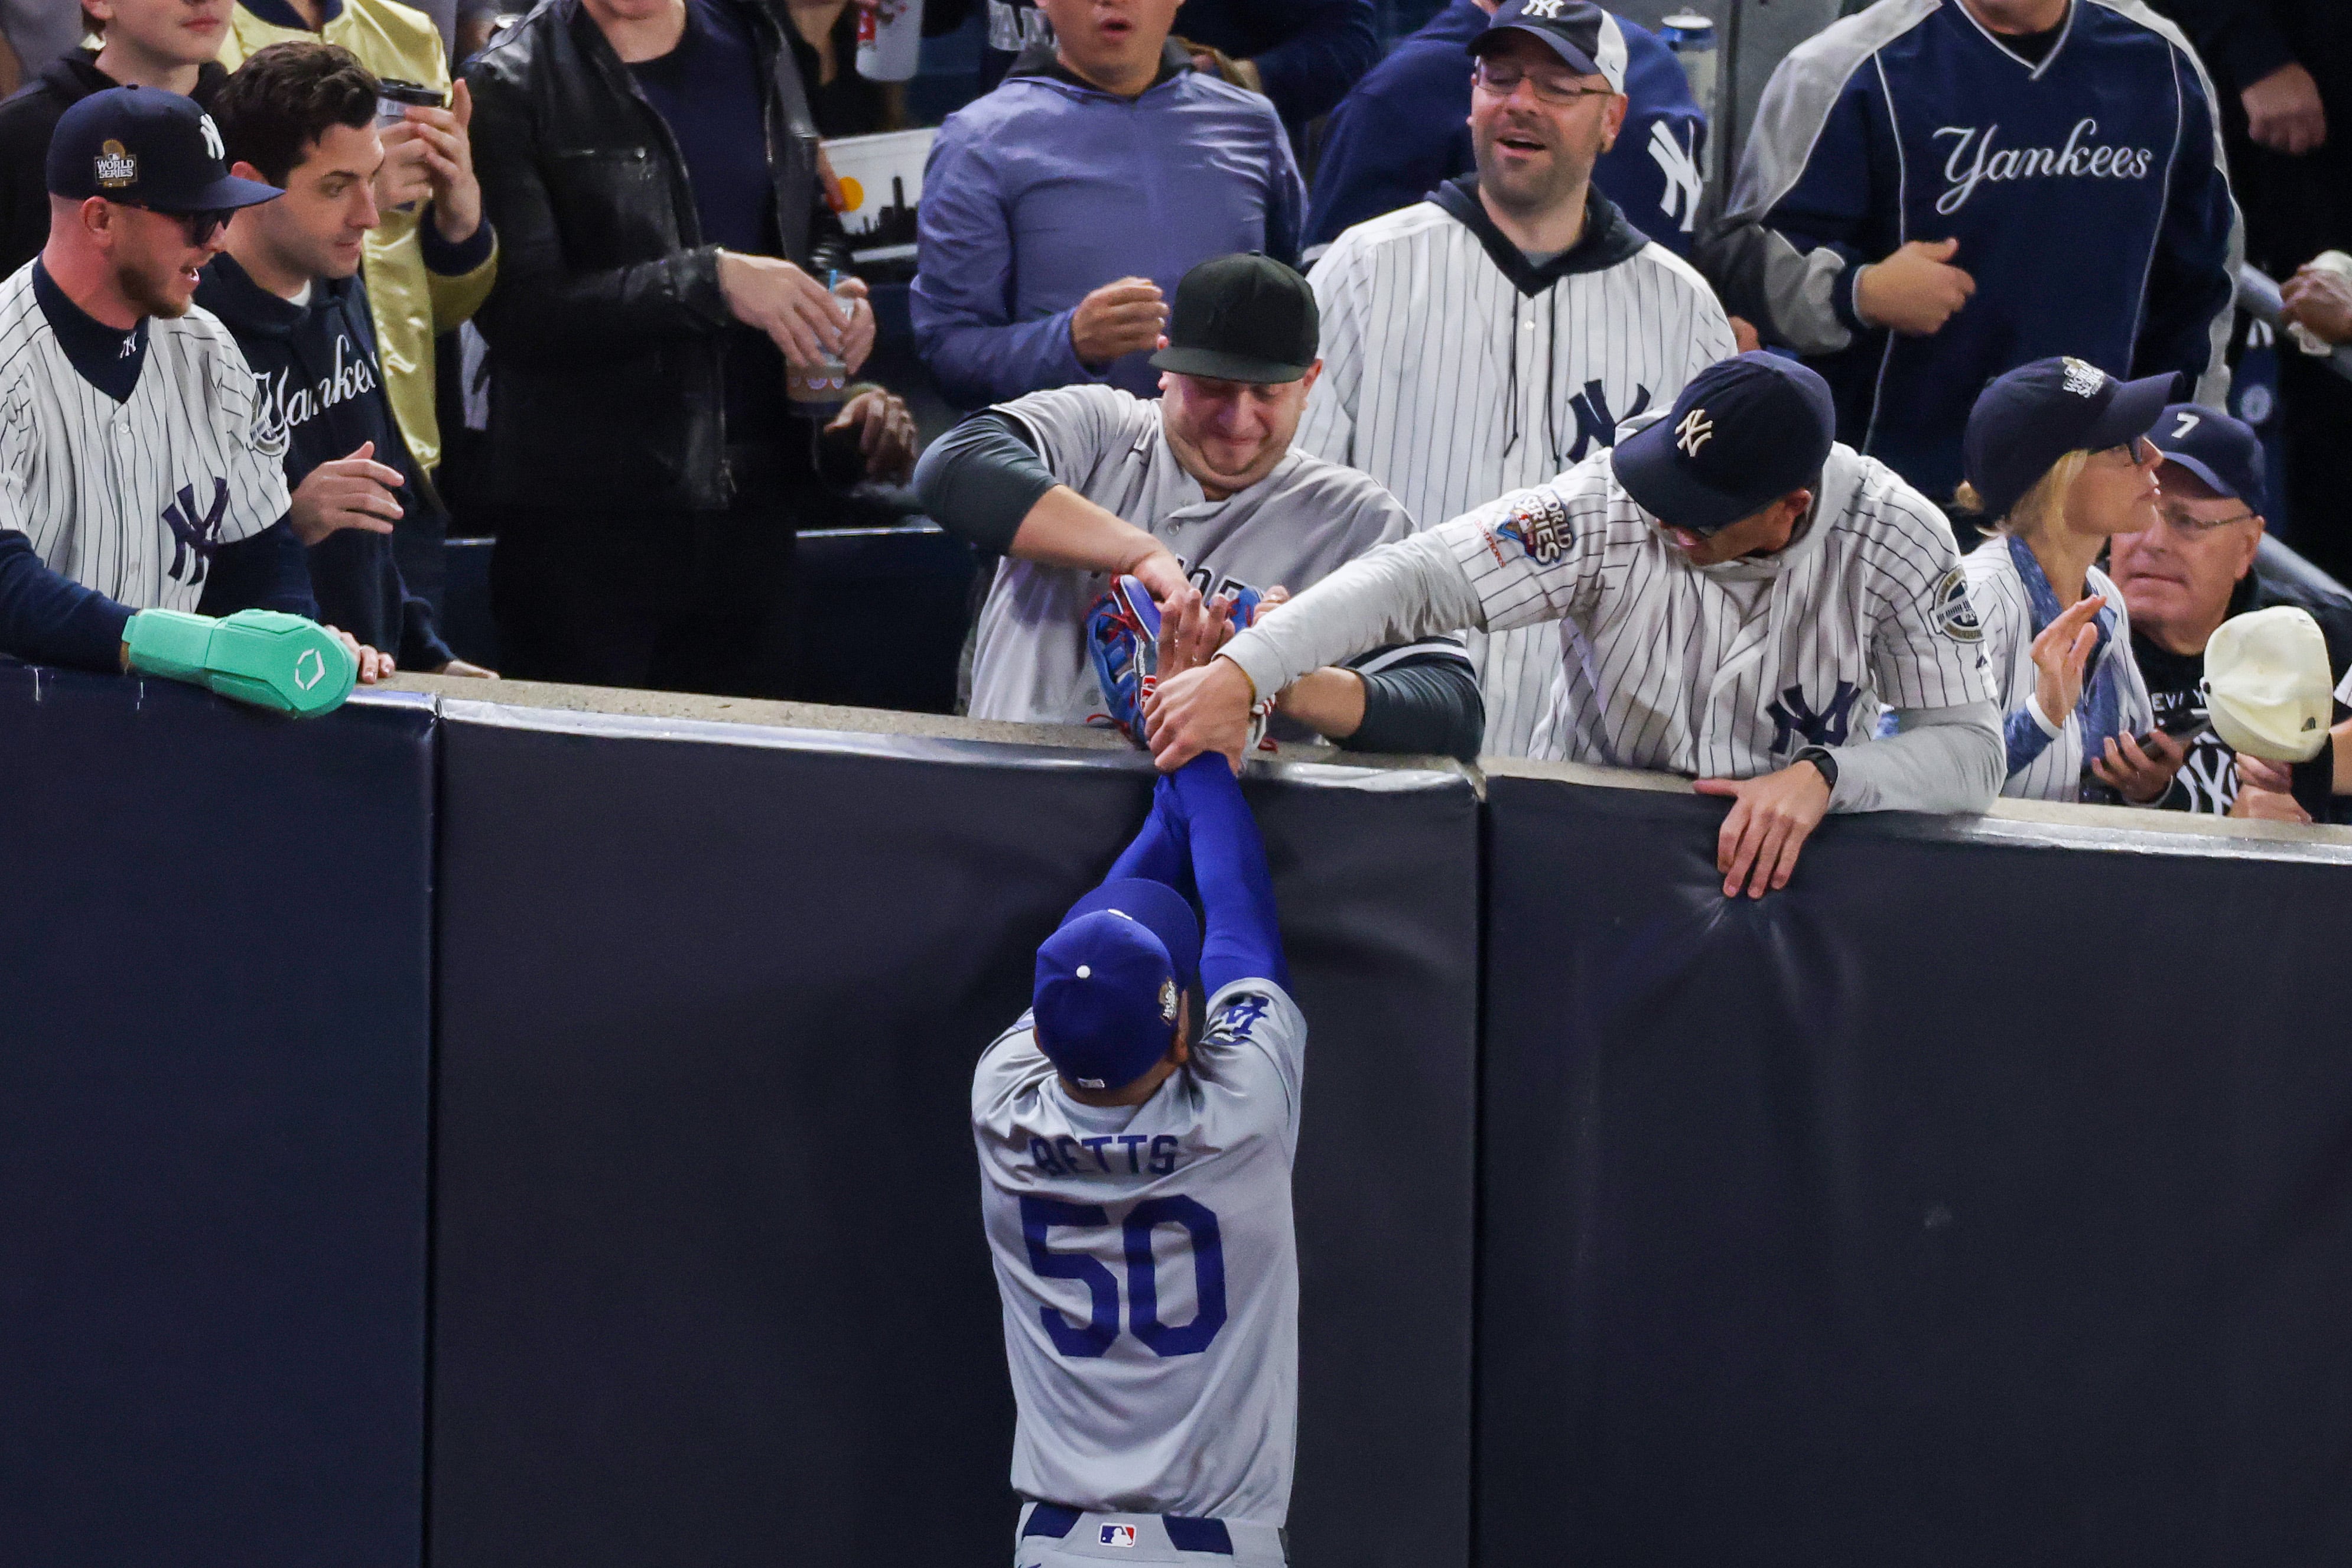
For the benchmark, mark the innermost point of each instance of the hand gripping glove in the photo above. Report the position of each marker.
(1123, 641)
(266, 658)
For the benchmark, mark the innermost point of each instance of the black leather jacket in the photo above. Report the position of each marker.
(607, 329)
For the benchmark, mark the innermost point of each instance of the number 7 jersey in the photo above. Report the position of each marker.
(1149, 1271)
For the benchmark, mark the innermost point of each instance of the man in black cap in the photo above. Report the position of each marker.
(1748, 596)
(1197, 493)
(131, 463)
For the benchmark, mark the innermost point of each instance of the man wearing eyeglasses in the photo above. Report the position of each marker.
(134, 474)
(1495, 334)
(2206, 560)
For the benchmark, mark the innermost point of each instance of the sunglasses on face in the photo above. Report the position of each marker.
(199, 226)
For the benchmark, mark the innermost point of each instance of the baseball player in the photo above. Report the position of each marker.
(1497, 333)
(1747, 595)
(1135, 1183)
(1197, 493)
(131, 474)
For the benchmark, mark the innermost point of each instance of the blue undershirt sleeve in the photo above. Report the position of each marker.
(1162, 849)
(48, 619)
(1242, 938)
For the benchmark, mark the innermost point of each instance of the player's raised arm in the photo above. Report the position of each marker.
(1242, 938)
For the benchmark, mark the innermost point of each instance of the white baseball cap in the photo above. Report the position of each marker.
(2266, 684)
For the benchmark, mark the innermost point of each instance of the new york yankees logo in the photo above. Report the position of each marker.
(1679, 164)
(1793, 718)
(1546, 9)
(195, 537)
(212, 143)
(1693, 432)
(1595, 423)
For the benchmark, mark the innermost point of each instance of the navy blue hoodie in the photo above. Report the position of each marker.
(319, 381)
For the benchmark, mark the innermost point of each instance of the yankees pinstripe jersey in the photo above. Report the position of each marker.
(2045, 759)
(1714, 672)
(131, 497)
(1454, 371)
(1292, 528)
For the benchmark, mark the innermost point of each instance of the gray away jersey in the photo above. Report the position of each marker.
(131, 498)
(1427, 347)
(1149, 1270)
(1292, 529)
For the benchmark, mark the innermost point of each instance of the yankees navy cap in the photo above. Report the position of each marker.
(1744, 432)
(1108, 982)
(1245, 317)
(146, 148)
(2223, 452)
(1585, 39)
(2026, 419)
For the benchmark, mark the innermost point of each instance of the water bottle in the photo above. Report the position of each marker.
(889, 40)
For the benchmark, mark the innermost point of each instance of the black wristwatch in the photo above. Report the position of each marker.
(1822, 758)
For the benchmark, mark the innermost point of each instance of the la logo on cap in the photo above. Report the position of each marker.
(117, 165)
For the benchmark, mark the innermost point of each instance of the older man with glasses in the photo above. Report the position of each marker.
(2206, 560)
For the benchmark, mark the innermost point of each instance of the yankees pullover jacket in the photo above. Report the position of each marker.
(319, 380)
(2086, 190)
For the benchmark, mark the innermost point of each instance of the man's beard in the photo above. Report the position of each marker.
(1533, 195)
(147, 295)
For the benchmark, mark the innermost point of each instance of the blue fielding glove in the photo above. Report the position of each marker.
(266, 658)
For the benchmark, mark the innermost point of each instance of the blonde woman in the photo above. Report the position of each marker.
(2058, 462)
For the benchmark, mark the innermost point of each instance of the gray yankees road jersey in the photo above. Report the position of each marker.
(1711, 672)
(2000, 597)
(131, 498)
(1448, 386)
(1148, 1269)
(1291, 529)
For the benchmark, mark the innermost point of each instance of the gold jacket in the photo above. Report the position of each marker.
(410, 303)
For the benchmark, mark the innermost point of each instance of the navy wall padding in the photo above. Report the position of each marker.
(710, 1283)
(1984, 1197)
(214, 1059)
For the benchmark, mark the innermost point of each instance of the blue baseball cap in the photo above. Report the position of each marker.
(2223, 452)
(1585, 39)
(147, 148)
(1109, 979)
(2026, 419)
(1744, 432)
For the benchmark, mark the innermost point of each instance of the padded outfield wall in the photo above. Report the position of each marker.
(464, 1134)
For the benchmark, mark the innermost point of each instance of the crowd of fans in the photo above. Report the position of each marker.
(1237, 299)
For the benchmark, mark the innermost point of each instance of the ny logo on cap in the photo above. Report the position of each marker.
(1548, 9)
(212, 143)
(1693, 432)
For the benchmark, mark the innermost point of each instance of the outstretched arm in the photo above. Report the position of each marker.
(1243, 938)
(1162, 849)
